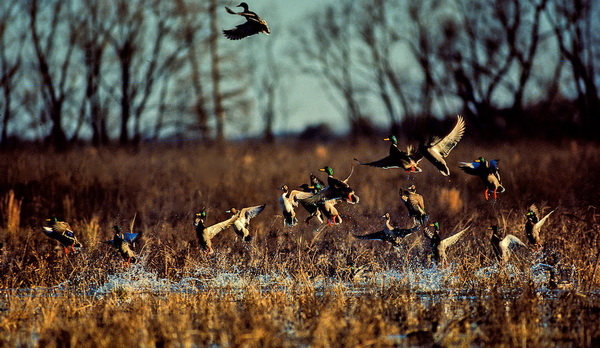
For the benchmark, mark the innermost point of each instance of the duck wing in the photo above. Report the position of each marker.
(130, 237)
(471, 168)
(539, 224)
(452, 239)
(251, 27)
(326, 194)
(444, 145)
(385, 163)
(510, 241)
(251, 212)
(213, 230)
(379, 235)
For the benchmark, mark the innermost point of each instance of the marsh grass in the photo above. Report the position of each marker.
(309, 285)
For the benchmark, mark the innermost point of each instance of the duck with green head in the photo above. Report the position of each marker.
(488, 172)
(396, 158)
(62, 232)
(439, 245)
(533, 226)
(206, 233)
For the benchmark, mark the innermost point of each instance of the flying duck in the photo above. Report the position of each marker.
(253, 25)
(62, 232)
(123, 243)
(439, 246)
(396, 158)
(436, 148)
(389, 233)
(244, 215)
(415, 205)
(501, 246)
(288, 200)
(534, 225)
(488, 172)
(336, 189)
(206, 233)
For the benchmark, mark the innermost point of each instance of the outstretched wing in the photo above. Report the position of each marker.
(445, 145)
(251, 212)
(510, 241)
(325, 195)
(130, 237)
(540, 223)
(243, 30)
(380, 235)
(453, 239)
(385, 163)
(213, 230)
(470, 168)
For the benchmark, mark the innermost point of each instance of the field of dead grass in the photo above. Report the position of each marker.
(301, 286)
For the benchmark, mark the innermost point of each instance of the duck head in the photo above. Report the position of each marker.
(436, 226)
(199, 218)
(531, 216)
(496, 230)
(411, 188)
(52, 220)
(480, 160)
(393, 139)
(232, 211)
(244, 6)
(284, 188)
(327, 169)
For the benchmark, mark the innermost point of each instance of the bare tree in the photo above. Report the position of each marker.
(10, 60)
(53, 60)
(193, 15)
(326, 50)
(572, 23)
(93, 42)
(215, 61)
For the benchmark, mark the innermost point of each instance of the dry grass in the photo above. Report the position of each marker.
(292, 287)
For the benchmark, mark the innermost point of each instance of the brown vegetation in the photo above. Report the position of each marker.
(296, 286)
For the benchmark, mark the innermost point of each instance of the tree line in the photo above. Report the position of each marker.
(127, 70)
(509, 63)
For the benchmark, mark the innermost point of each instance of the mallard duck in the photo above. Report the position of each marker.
(244, 215)
(396, 158)
(501, 246)
(439, 246)
(288, 200)
(336, 189)
(254, 24)
(62, 232)
(436, 149)
(488, 172)
(415, 204)
(389, 233)
(123, 243)
(534, 225)
(310, 190)
(207, 233)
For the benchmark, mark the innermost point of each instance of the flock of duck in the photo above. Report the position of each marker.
(319, 199)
